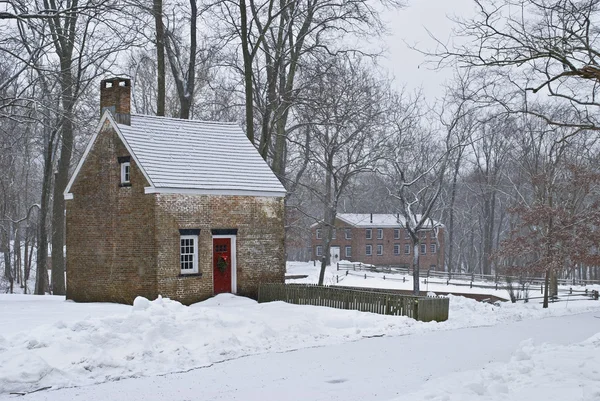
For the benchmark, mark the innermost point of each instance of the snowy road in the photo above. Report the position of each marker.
(369, 369)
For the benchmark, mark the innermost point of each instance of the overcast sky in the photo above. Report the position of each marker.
(409, 25)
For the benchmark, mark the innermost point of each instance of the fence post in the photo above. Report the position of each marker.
(337, 278)
(471, 284)
(338, 266)
(365, 276)
(416, 310)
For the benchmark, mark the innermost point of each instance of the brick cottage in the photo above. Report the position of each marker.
(182, 208)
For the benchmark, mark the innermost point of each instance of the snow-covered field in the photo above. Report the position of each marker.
(60, 344)
(395, 281)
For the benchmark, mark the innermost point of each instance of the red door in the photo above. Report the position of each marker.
(222, 265)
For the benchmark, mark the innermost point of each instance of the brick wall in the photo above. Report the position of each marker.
(111, 239)
(260, 241)
(359, 242)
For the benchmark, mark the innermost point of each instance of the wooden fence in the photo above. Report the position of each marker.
(420, 308)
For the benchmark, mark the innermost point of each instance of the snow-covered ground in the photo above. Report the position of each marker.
(61, 344)
(396, 281)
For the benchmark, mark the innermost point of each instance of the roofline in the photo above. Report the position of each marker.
(106, 116)
(225, 192)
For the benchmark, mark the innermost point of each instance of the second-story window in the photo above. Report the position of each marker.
(333, 233)
(369, 233)
(319, 236)
(396, 233)
(380, 233)
(348, 233)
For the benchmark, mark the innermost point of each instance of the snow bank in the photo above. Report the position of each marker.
(163, 336)
(544, 372)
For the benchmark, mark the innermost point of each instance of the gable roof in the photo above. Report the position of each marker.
(191, 156)
(379, 220)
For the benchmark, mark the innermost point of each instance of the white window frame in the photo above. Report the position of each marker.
(348, 233)
(380, 233)
(126, 173)
(369, 233)
(379, 250)
(369, 250)
(423, 249)
(319, 250)
(318, 233)
(334, 233)
(406, 234)
(407, 249)
(432, 248)
(194, 270)
(396, 233)
(396, 249)
(348, 251)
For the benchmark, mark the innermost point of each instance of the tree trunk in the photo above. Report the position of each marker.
(328, 223)
(160, 57)
(60, 182)
(450, 261)
(41, 282)
(415, 266)
(248, 89)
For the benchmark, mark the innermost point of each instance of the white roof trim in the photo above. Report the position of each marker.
(106, 116)
(230, 192)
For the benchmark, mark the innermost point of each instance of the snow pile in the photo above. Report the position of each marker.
(544, 372)
(163, 336)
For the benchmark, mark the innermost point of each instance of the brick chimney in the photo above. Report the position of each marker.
(115, 96)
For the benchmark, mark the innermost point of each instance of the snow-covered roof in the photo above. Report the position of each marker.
(191, 156)
(376, 220)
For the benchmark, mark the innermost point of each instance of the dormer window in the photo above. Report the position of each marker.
(125, 164)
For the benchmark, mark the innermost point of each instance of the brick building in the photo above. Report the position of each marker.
(379, 239)
(181, 208)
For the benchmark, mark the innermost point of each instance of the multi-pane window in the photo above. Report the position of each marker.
(406, 234)
(333, 233)
(125, 173)
(423, 235)
(407, 249)
(396, 233)
(319, 236)
(348, 251)
(188, 254)
(396, 249)
(423, 249)
(348, 233)
(433, 234)
(380, 233)
(379, 249)
(369, 233)
(432, 248)
(369, 250)
(319, 250)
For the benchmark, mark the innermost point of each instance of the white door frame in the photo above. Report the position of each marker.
(233, 260)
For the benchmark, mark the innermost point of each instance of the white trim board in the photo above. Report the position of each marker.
(233, 260)
(231, 192)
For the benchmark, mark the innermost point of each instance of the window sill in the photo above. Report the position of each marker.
(125, 184)
(181, 275)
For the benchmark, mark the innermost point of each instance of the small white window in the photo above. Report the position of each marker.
(369, 251)
(369, 233)
(406, 234)
(188, 251)
(318, 233)
(432, 248)
(319, 250)
(125, 173)
(348, 251)
(348, 233)
(333, 233)
(423, 249)
(396, 249)
(379, 249)
(380, 233)
(396, 233)
(407, 249)
(433, 234)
